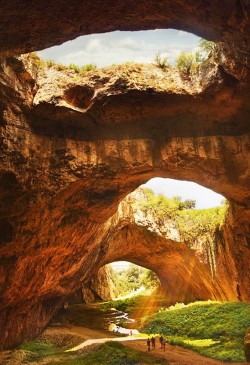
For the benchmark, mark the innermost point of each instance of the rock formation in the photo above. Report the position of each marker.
(100, 287)
(146, 240)
(72, 148)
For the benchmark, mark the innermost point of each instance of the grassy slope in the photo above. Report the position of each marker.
(110, 353)
(221, 327)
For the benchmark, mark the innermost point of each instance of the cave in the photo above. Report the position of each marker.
(70, 154)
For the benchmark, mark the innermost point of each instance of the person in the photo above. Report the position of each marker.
(148, 344)
(164, 344)
(153, 343)
(131, 333)
(161, 339)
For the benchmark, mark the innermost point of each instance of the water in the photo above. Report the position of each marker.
(119, 316)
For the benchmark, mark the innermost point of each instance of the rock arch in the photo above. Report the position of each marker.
(71, 168)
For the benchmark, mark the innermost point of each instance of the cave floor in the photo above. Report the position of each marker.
(80, 339)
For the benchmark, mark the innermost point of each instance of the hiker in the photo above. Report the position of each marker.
(161, 339)
(164, 344)
(131, 333)
(153, 343)
(148, 344)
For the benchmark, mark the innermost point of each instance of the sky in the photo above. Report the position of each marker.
(205, 198)
(118, 47)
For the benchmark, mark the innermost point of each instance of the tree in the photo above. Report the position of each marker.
(206, 46)
(189, 204)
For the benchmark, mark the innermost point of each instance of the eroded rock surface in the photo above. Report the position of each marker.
(72, 148)
(100, 287)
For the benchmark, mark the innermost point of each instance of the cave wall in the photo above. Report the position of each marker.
(100, 287)
(64, 171)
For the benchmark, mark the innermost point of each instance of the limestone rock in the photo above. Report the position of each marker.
(72, 150)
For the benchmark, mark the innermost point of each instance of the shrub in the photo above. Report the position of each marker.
(50, 63)
(74, 67)
(161, 62)
(206, 46)
(186, 62)
(88, 67)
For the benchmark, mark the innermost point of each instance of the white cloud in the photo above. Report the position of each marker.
(129, 43)
(119, 47)
(93, 45)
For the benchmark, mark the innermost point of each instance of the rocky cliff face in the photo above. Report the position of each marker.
(72, 148)
(100, 287)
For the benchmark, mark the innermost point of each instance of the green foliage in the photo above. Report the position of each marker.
(161, 62)
(81, 69)
(187, 204)
(191, 223)
(150, 280)
(36, 59)
(39, 350)
(186, 62)
(124, 305)
(113, 353)
(57, 66)
(162, 206)
(206, 46)
(223, 324)
(88, 67)
(50, 63)
(110, 353)
(134, 278)
(72, 66)
(60, 67)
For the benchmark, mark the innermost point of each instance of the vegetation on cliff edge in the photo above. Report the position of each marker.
(191, 223)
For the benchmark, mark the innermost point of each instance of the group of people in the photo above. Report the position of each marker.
(151, 343)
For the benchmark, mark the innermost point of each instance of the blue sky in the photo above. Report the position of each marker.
(118, 47)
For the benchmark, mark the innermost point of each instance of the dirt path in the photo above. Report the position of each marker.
(178, 355)
(174, 354)
(86, 337)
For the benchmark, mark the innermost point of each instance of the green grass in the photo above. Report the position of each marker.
(125, 305)
(110, 353)
(213, 329)
(113, 353)
(39, 350)
(81, 69)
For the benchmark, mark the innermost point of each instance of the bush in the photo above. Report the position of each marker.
(186, 62)
(206, 46)
(161, 62)
(88, 67)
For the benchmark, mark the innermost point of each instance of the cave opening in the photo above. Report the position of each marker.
(187, 190)
(130, 280)
(119, 47)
